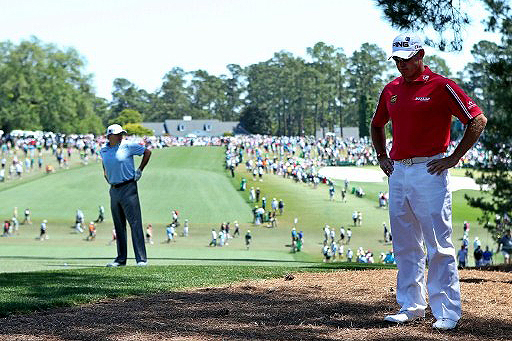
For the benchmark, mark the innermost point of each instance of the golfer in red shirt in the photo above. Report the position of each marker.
(420, 105)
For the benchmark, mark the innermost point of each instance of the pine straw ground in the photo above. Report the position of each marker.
(341, 305)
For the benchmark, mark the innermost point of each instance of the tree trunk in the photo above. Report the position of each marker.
(315, 119)
(340, 114)
(322, 121)
(363, 127)
(284, 122)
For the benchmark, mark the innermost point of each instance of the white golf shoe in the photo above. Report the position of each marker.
(401, 317)
(114, 264)
(444, 324)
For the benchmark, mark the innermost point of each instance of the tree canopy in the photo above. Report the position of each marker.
(43, 87)
(444, 16)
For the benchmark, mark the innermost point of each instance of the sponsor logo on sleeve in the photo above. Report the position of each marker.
(471, 104)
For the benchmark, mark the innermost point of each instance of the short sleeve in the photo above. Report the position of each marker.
(136, 149)
(460, 104)
(381, 115)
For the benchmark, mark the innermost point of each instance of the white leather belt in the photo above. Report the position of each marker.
(419, 159)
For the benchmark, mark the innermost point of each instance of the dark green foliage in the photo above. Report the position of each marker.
(367, 69)
(256, 121)
(137, 129)
(44, 88)
(490, 78)
(441, 15)
(437, 65)
(127, 116)
(127, 96)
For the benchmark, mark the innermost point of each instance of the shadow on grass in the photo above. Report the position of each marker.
(314, 265)
(249, 313)
(240, 313)
(38, 291)
(259, 260)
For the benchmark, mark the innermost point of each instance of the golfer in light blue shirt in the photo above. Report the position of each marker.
(120, 173)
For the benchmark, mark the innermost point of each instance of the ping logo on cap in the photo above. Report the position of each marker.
(405, 46)
(401, 44)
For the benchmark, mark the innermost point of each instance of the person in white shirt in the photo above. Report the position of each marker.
(350, 255)
(221, 238)
(213, 242)
(274, 204)
(342, 235)
(19, 169)
(354, 217)
(327, 232)
(185, 228)
(332, 234)
(43, 234)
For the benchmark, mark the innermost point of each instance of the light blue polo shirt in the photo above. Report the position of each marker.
(118, 161)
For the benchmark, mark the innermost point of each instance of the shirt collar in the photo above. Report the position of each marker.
(423, 78)
(109, 146)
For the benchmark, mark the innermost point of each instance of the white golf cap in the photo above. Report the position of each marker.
(115, 129)
(406, 45)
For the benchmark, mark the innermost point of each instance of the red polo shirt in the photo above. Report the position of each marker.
(421, 112)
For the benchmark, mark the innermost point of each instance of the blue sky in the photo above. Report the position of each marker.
(141, 40)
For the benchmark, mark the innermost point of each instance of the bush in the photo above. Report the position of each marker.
(127, 116)
(137, 129)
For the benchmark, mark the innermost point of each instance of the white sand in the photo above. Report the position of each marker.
(359, 174)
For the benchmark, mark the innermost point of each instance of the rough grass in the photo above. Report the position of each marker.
(39, 291)
(330, 305)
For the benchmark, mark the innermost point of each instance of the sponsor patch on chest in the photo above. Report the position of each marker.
(422, 99)
(393, 99)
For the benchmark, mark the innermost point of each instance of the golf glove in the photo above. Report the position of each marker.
(138, 174)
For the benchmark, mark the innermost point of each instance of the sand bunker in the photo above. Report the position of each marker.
(359, 174)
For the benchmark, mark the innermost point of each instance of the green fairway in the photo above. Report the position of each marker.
(193, 181)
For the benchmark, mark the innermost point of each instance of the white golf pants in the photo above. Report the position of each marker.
(420, 214)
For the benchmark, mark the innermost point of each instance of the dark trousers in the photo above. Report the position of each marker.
(124, 204)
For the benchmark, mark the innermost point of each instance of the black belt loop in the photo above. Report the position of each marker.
(121, 184)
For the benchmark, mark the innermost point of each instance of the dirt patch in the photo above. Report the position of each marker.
(341, 305)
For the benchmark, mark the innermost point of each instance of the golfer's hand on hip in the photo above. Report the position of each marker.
(386, 164)
(138, 174)
(436, 167)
